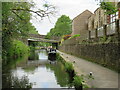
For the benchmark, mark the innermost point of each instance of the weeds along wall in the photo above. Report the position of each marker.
(106, 54)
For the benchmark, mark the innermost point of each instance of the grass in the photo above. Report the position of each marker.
(77, 81)
(69, 67)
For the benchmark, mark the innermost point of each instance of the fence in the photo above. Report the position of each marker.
(111, 29)
(105, 30)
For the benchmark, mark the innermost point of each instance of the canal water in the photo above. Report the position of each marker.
(37, 71)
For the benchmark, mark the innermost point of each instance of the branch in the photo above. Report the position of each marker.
(40, 13)
(17, 15)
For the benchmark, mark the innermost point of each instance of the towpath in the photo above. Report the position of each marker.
(103, 77)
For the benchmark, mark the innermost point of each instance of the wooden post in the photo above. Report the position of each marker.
(118, 12)
(89, 35)
(105, 30)
(96, 33)
(117, 31)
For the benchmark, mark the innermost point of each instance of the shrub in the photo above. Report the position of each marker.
(69, 67)
(66, 37)
(74, 36)
(18, 49)
(79, 82)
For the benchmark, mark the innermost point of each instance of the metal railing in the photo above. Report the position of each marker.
(102, 31)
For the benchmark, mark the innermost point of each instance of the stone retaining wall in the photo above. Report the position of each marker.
(106, 54)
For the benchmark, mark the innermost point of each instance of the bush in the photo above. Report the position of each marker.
(17, 49)
(79, 82)
(69, 67)
(74, 36)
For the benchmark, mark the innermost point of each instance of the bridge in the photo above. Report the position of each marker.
(41, 38)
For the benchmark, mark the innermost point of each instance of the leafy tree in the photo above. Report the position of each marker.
(109, 7)
(16, 22)
(62, 27)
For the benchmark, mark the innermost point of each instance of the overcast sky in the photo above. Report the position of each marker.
(71, 8)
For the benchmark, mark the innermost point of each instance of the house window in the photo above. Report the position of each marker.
(113, 17)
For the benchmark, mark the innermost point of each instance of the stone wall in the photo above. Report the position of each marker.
(106, 54)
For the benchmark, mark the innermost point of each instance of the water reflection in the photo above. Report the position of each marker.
(41, 72)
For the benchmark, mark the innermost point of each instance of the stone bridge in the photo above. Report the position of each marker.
(41, 38)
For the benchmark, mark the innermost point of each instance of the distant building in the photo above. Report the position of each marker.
(91, 25)
(80, 23)
(100, 18)
(86, 23)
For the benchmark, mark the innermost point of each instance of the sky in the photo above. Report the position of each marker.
(71, 8)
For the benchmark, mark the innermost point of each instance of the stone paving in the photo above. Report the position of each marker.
(103, 77)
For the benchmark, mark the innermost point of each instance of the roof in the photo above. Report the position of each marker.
(83, 13)
(96, 9)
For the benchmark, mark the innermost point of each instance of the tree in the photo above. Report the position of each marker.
(62, 27)
(16, 21)
(109, 7)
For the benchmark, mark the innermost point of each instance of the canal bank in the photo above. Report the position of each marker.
(101, 77)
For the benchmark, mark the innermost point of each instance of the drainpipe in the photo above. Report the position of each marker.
(89, 32)
(105, 30)
(96, 33)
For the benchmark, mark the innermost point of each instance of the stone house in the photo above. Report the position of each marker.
(86, 23)
(80, 23)
(100, 18)
(91, 22)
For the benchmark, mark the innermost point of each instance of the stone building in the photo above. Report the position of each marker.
(100, 18)
(91, 22)
(80, 23)
(90, 25)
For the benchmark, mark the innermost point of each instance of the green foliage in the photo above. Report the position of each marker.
(17, 49)
(74, 36)
(62, 27)
(69, 67)
(79, 82)
(60, 73)
(15, 25)
(109, 7)
(32, 29)
(103, 39)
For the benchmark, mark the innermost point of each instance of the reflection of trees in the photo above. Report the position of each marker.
(30, 69)
(21, 83)
(59, 71)
(10, 81)
(33, 56)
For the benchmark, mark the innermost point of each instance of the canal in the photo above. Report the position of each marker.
(35, 71)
